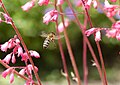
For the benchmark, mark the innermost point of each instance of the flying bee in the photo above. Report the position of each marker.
(50, 37)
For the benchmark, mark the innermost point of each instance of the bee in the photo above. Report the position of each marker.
(50, 37)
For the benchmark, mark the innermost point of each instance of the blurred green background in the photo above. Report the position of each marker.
(30, 26)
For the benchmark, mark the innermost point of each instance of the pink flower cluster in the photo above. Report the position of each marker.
(28, 71)
(14, 43)
(89, 2)
(50, 16)
(96, 32)
(115, 31)
(110, 9)
(31, 4)
(7, 72)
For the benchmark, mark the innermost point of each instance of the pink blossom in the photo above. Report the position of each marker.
(97, 36)
(90, 31)
(95, 4)
(116, 25)
(22, 71)
(7, 58)
(43, 2)
(111, 33)
(113, 0)
(61, 27)
(30, 67)
(34, 53)
(13, 58)
(28, 5)
(24, 57)
(89, 2)
(7, 18)
(118, 35)
(11, 77)
(60, 2)
(50, 16)
(4, 47)
(78, 3)
(6, 72)
(20, 51)
(111, 9)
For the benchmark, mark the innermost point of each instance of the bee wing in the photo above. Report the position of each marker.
(58, 37)
(43, 34)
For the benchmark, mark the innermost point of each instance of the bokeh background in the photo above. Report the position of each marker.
(30, 26)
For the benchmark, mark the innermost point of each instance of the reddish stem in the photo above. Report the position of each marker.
(70, 51)
(87, 41)
(98, 46)
(23, 44)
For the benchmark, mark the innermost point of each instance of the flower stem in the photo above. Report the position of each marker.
(22, 42)
(70, 51)
(87, 41)
(98, 46)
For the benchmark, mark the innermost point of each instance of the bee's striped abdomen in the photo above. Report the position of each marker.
(46, 43)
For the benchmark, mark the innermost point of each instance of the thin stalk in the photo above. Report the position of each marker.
(98, 46)
(70, 51)
(23, 44)
(62, 56)
(61, 50)
(85, 68)
(87, 41)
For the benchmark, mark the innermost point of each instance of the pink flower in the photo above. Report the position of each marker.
(60, 2)
(24, 57)
(7, 58)
(6, 72)
(111, 33)
(28, 5)
(34, 53)
(90, 31)
(97, 36)
(78, 3)
(4, 47)
(111, 9)
(116, 25)
(89, 2)
(13, 58)
(7, 18)
(43, 2)
(20, 51)
(22, 71)
(95, 5)
(61, 27)
(118, 35)
(30, 67)
(113, 0)
(11, 77)
(50, 16)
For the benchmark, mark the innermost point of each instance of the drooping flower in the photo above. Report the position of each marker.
(50, 16)
(4, 47)
(60, 2)
(90, 31)
(11, 77)
(6, 72)
(28, 5)
(34, 54)
(111, 9)
(43, 2)
(7, 58)
(61, 27)
(7, 18)
(98, 36)
(22, 71)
